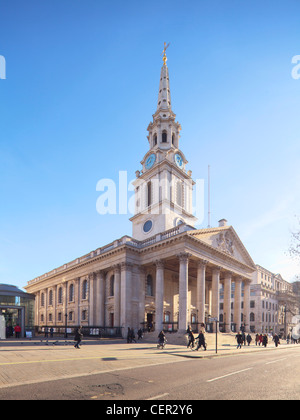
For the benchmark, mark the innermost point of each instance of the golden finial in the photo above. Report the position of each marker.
(164, 52)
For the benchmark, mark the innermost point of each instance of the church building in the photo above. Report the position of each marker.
(168, 274)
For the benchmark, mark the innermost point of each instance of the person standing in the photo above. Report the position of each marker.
(17, 331)
(249, 339)
(276, 340)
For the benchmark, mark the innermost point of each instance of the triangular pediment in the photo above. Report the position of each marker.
(225, 240)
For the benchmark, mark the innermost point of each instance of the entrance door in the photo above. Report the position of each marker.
(150, 322)
(12, 317)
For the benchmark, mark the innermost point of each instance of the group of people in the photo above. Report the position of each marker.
(131, 335)
(200, 340)
(260, 339)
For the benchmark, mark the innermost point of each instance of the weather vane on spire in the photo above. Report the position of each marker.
(164, 52)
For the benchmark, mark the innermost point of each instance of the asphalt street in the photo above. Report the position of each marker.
(118, 371)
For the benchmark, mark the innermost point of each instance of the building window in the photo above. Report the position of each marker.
(71, 293)
(155, 140)
(59, 317)
(70, 316)
(112, 285)
(179, 193)
(84, 289)
(50, 298)
(84, 315)
(173, 138)
(60, 295)
(149, 194)
(252, 317)
(164, 137)
(252, 304)
(42, 299)
(149, 285)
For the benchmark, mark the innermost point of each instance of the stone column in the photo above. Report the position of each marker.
(247, 304)
(77, 299)
(183, 291)
(91, 298)
(227, 302)
(216, 296)
(237, 303)
(159, 295)
(117, 274)
(201, 269)
(125, 293)
(142, 294)
(100, 301)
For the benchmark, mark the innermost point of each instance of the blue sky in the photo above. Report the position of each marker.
(81, 87)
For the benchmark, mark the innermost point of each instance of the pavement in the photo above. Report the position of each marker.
(28, 361)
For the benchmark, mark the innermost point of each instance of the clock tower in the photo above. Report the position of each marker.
(163, 188)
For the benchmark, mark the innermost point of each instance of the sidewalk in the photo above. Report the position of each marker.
(27, 361)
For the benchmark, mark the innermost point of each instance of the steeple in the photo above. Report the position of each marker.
(163, 188)
(164, 94)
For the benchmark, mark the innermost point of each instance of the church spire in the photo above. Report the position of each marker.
(164, 94)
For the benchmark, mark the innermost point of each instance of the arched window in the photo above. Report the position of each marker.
(149, 285)
(60, 295)
(173, 138)
(84, 289)
(155, 140)
(42, 299)
(112, 285)
(71, 293)
(164, 137)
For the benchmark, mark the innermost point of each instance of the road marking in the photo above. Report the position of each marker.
(275, 361)
(157, 397)
(229, 374)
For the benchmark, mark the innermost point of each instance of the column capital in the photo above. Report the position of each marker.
(126, 265)
(159, 263)
(116, 268)
(202, 263)
(217, 269)
(184, 256)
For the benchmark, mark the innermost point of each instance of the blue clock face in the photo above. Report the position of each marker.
(178, 160)
(150, 161)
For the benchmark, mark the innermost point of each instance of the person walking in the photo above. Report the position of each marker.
(256, 339)
(249, 339)
(265, 340)
(191, 339)
(276, 340)
(201, 341)
(78, 337)
(239, 339)
(260, 339)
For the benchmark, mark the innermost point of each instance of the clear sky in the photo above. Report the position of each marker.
(81, 86)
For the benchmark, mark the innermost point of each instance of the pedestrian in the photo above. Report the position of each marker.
(276, 340)
(161, 340)
(51, 332)
(78, 337)
(17, 331)
(265, 340)
(46, 332)
(239, 339)
(201, 341)
(140, 334)
(244, 338)
(249, 339)
(191, 338)
(260, 339)
(129, 340)
(256, 339)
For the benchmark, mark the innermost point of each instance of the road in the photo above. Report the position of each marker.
(140, 373)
